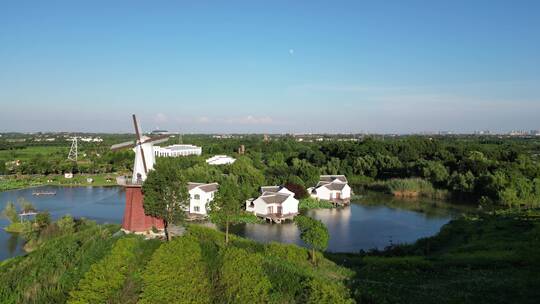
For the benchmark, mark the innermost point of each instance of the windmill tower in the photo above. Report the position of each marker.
(73, 153)
(135, 220)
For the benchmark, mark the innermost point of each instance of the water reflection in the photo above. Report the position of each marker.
(374, 221)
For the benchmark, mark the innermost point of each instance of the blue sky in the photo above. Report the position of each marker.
(270, 66)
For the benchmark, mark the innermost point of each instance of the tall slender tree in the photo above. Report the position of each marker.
(314, 233)
(166, 195)
(227, 205)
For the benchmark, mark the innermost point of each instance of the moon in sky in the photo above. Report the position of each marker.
(291, 51)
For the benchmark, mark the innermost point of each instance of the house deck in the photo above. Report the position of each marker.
(276, 217)
(340, 202)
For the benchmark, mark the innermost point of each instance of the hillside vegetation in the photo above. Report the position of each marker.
(92, 266)
(487, 259)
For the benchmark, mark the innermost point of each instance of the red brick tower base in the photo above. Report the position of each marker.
(134, 218)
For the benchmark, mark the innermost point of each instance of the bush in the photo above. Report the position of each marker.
(48, 274)
(242, 277)
(298, 190)
(312, 203)
(322, 292)
(177, 274)
(106, 277)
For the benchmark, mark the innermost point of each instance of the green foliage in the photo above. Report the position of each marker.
(43, 219)
(166, 195)
(492, 258)
(227, 207)
(10, 212)
(313, 203)
(106, 277)
(66, 224)
(49, 273)
(249, 178)
(313, 232)
(324, 292)
(242, 277)
(177, 274)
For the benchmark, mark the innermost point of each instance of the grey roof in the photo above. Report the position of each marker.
(335, 186)
(321, 183)
(204, 187)
(329, 178)
(276, 198)
(270, 189)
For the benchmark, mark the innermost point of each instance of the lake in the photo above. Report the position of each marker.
(374, 221)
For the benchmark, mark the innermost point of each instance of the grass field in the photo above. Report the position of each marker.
(29, 152)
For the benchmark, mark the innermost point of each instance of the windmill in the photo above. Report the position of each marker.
(144, 152)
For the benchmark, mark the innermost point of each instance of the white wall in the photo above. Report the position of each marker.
(204, 199)
(324, 193)
(289, 206)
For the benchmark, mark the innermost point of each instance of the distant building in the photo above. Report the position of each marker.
(333, 188)
(160, 132)
(200, 196)
(276, 204)
(177, 150)
(220, 160)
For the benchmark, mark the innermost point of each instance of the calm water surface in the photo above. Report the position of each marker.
(375, 221)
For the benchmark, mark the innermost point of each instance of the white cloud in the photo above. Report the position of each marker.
(250, 120)
(203, 119)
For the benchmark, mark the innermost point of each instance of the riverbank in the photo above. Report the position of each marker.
(29, 181)
(491, 258)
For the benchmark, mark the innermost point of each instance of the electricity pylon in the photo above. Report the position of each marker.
(73, 151)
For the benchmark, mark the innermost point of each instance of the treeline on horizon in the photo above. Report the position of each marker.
(490, 170)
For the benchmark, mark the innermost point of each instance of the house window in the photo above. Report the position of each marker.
(197, 197)
(270, 210)
(196, 208)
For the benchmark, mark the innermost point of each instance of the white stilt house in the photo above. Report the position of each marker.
(334, 188)
(276, 204)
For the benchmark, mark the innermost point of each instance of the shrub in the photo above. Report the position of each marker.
(294, 254)
(298, 190)
(106, 277)
(66, 224)
(318, 291)
(48, 274)
(177, 274)
(242, 277)
(312, 203)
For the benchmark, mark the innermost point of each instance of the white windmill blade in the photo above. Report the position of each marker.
(127, 144)
(157, 140)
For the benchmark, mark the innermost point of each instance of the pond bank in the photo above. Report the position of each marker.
(30, 181)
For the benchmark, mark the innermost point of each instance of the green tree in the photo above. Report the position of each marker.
(314, 233)
(248, 176)
(436, 172)
(10, 212)
(3, 169)
(66, 224)
(43, 219)
(242, 277)
(227, 204)
(166, 195)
